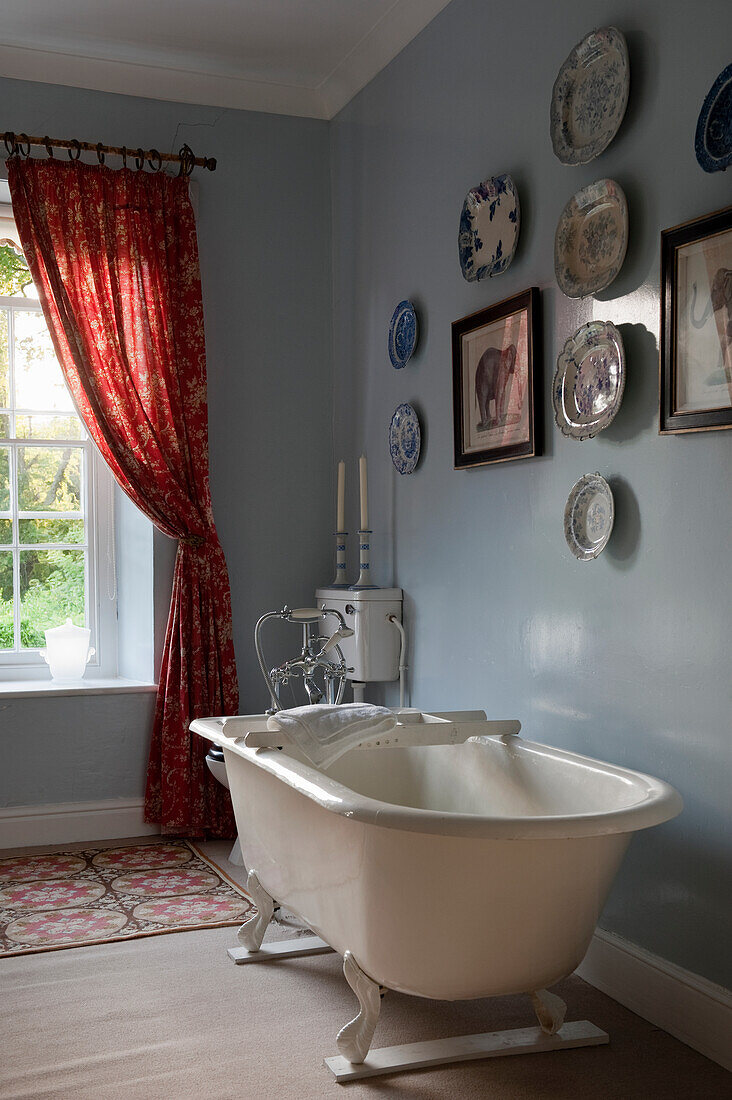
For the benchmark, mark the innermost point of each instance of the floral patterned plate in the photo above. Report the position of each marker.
(402, 334)
(405, 439)
(591, 239)
(713, 143)
(589, 97)
(588, 517)
(489, 228)
(589, 380)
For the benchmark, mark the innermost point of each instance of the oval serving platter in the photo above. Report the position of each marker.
(589, 380)
(591, 239)
(588, 517)
(590, 96)
(489, 228)
(405, 438)
(713, 142)
(402, 334)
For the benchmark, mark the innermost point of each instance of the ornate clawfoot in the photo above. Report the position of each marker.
(549, 1009)
(252, 930)
(355, 1038)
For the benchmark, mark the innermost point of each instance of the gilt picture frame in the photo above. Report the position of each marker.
(695, 373)
(496, 366)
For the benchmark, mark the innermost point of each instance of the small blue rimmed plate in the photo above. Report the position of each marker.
(588, 517)
(402, 334)
(713, 143)
(405, 439)
(489, 227)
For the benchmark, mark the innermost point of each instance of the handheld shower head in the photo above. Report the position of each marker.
(338, 636)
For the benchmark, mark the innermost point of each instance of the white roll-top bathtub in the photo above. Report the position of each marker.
(451, 871)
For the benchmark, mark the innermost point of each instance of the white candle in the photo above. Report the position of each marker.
(341, 511)
(364, 493)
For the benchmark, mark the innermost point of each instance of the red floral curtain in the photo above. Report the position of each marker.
(114, 257)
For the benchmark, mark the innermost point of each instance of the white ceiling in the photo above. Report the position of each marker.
(297, 57)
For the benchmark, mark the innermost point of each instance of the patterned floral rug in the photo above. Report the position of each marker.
(70, 899)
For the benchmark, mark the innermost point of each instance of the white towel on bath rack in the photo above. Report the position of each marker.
(324, 732)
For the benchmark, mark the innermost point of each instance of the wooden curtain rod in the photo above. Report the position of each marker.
(20, 144)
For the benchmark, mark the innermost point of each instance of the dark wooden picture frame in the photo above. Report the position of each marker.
(496, 368)
(695, 383)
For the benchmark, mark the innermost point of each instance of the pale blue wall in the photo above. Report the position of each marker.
(626, 658)
(264, 242)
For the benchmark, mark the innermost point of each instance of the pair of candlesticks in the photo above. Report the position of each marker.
(364, 562)
(364, 535)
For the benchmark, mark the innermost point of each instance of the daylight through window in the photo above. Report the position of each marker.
(44, 473)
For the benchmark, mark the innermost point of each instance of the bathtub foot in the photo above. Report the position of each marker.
(252, 930)
(354, 1040)
(550, 1010)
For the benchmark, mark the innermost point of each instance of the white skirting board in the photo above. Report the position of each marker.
(689, 1007)
(70, 822)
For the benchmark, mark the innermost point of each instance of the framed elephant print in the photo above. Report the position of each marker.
(696, 325)
(496, 390)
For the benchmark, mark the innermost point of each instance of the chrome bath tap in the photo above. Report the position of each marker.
(315, 656)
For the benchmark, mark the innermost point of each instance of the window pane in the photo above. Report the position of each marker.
(4, 479)
(4, 425)
(49, 479)
(39, 383)
(15, 279)
(6, 600)
(4, 377)
(6, 531)
(48, 427)
(51, 530)
(51, 590)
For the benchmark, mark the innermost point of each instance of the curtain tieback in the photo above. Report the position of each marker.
(195, 541)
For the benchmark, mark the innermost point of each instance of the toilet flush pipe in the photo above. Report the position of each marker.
(402, 654)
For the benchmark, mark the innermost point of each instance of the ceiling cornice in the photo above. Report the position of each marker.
(404, 20)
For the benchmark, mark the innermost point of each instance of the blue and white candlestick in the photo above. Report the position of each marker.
(340, 553)
(364, 563)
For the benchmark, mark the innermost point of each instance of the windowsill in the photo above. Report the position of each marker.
(30, 689)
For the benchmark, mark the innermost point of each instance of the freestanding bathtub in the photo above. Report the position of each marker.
(446, 870)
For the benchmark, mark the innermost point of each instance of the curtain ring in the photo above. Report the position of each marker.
(10, 143)
(49, 147)
(140, 159)
(124, 156)
(100, 152)
(155, 156)
(187, 161)
(74, 149)
(23, 139)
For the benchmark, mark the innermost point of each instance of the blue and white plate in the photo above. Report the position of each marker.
(588, 517)
(402, 334)
(713, 144)
(589, 380)
(591, 239)
(489, 228)
(589, 97)
(405, 439)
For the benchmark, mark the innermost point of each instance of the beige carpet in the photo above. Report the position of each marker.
(172, 1018)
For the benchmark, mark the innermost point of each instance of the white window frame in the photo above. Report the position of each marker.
(98, 504)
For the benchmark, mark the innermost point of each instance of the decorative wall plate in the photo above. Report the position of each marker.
(713, 144)
(589, 380)
(489, 228)
(588, 516)
(402, 334)
(405, 438)
(591, 239)
(590, 96)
